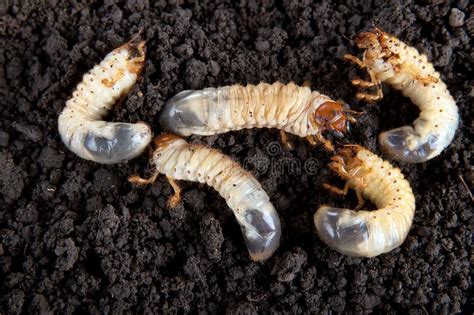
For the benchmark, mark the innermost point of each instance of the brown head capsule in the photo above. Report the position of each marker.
(334, 117)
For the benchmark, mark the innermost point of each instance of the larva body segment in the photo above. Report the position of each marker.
(289, 107)
(79, 123)
(259, 221)
(387, 59)
(367, 233)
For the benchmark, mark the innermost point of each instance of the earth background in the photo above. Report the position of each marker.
(76, 237)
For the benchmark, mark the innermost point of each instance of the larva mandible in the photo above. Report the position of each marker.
(387, 59)
(179, 160)
(288, 107)
(79, 123)
(367, 233)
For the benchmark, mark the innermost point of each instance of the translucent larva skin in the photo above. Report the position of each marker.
(79, 123)
(368, 233)
(251, 205)
(408, 71)
(289, 107)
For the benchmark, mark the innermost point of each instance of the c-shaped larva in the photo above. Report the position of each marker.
(289, 107)
(79, 123)
(387, 59)
(367, 233)
(259, 221)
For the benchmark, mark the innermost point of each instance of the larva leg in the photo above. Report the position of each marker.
(284, 139)
(372, 83)
(362, 83)
(355, 60)
(326, 143)
(367, 84)
(318, 138)
(137, 180)
(370, 97)
(336, 190)
(360, 199)
(311, 140)
(176, 198)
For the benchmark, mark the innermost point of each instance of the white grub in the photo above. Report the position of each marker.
(79, 123)
(367, 233)
(288, 107)
(179, 160)
(387, 59)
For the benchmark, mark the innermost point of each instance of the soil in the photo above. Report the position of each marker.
(76, 237)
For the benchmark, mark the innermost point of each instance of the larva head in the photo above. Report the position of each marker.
(164, 141)
(332, 116)
(136, 55)
(373, 41)
(261, 230)
(346, 162)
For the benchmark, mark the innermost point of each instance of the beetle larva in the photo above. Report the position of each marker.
(179, 160)
(387, 59)
(290, 108)
(79, 123)
(367, 233)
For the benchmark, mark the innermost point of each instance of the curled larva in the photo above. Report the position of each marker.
(288, 107)
(179, 160)
(387, 59)
(367, 233)
(79, 123)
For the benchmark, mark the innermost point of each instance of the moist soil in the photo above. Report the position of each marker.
(76, 237)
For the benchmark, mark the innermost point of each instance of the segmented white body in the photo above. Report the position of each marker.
(217, 110)
(251, 205)
(369, 233)
(410, 72)
(79, 123)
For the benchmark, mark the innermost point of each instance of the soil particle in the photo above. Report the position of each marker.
(31, 132)
(456, 18)
(50, 158)
(11, 178)
(4, 137)
(67, 254)
(196, 72)
(212, 237)
(76, 237)
(287, 268)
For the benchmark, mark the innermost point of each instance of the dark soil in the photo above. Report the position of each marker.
(77, 237)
